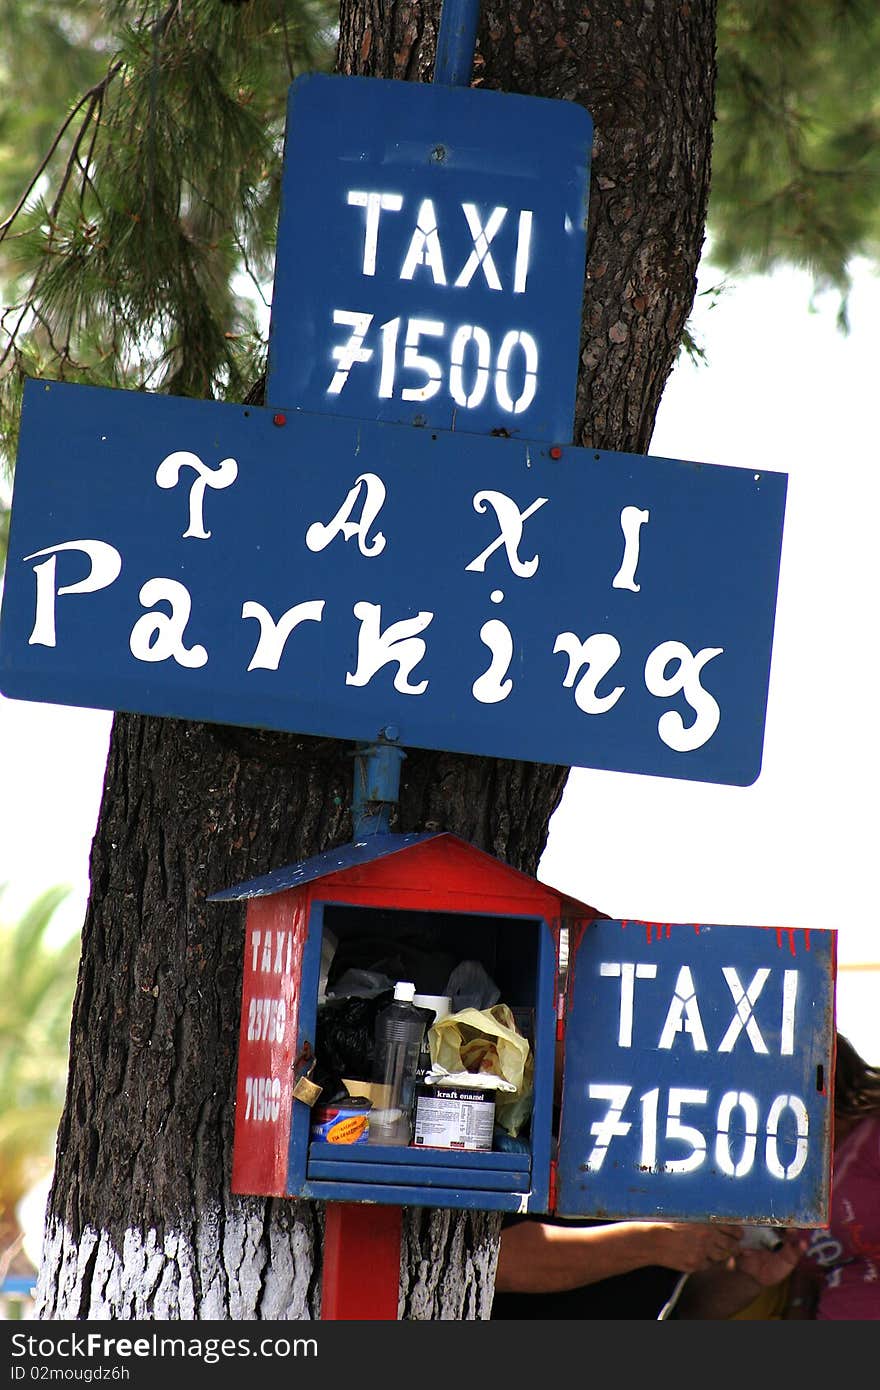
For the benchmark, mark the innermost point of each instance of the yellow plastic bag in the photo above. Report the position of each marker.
(487, 1041)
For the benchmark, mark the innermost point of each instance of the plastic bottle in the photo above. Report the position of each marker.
(400, 1028)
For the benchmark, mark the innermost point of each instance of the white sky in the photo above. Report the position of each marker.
(783, 390)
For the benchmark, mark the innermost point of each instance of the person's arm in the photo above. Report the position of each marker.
(536, 1257)
(728, 1288)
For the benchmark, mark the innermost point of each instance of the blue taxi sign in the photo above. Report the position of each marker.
(698, 1073)
(431, 256)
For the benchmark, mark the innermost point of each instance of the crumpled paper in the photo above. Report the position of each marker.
(485, 1081)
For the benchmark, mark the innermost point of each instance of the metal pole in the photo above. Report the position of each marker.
(361, 1267)
(361, 1273)
(454, 60)
(376, 784)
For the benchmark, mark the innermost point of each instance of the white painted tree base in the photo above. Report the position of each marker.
(255, 1261)
(245, 1263)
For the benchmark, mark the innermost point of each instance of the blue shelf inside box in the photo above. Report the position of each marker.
(384, 1194)
(416, 1167)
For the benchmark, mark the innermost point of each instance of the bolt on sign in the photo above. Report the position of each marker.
(431, 253)
(698, 1071)
(332, 576)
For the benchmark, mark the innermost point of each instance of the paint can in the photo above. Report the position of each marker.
(342, 1121)
(454, 1117)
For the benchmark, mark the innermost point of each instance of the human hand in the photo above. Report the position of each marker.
(689, 1247)
(768, 1267)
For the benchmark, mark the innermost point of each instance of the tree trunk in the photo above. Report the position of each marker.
(141, 1221)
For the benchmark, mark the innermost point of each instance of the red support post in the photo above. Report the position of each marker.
(361, 1262)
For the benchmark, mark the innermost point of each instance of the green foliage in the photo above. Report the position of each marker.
(51, 51)
(796, 166)
(154, 193)
(37, 982)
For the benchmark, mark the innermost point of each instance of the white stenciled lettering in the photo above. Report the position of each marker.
(346, 354)
(266, 1020)
(319, 536)
(481, 255)
(632, 519)
(223, 476)
(273, 636)
(687, 1134)
(105, 565)
(515, 366)
(491, 687)
(417, 361)
(262, 1098)
(390, 332)
(789, 1000)
(650, 1103)
(398, 643)
(529, 348)
(671, 726)
(510, 521)
(737, 1129)
(730, 1101)
(675, 1130)
(424, 246)
(744, 1018)
(275, 956)
(798, 1110)
(598, 654)
(627, 972)
(684, 1014)
(159, 636)
(375, 204)
(523, 246)
(605, 1129)
(464, 336)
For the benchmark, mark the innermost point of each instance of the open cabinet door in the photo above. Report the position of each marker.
(698, 1073)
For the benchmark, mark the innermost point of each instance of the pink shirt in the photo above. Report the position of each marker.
(848, 1253)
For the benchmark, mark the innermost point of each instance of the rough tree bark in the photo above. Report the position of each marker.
(141, 1222)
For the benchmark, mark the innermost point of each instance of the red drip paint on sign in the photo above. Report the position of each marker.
(650, 927)
(791, 933)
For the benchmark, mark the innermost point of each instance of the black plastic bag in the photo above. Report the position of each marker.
(344, 1040)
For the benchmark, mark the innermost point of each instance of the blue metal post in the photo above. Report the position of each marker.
(377, 765)
(376, 784)
(454, 60)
